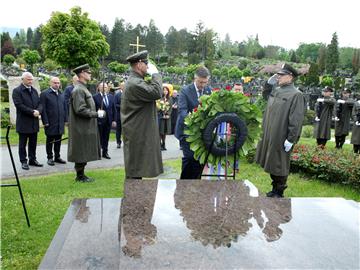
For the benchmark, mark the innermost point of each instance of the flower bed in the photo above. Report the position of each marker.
(219, 102)
(331, 165)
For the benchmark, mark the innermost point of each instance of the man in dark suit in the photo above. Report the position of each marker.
(28, 110)
(54, 116)
(117, 97)
(188, 100)
(68, 90)
(105, 102)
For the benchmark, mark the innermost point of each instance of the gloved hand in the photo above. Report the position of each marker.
(337, 119)
(287, 145)
(341, 101)
(357, 123)
(101, 113)
(358, 101)
(151, 69)
(273, 80)
(317, 119)
(320, 100)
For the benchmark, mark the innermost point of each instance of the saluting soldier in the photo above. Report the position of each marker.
(324, 110)
(344, 108)
(355, 135)
(84, 142)
(138, 113)
(281, 127)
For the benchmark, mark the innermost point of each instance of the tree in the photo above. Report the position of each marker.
(356, 61)
(332, 55)
(73, 39)
(293, 57)
(29, 36)
(8, 59)
(19, 41)
(312, 77)
(308, 52)
(171, 46)
(31, 57)
(37, 40)
(154, 40)
(7, 48)
(117, 41)
(321, 60)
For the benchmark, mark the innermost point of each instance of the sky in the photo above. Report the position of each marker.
(284, 23)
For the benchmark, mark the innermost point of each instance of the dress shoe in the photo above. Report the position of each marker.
(274, 194)
(60, 160)
(50, 162)
(84, 179)
(35, 163)
(106, 155)
(25, 166)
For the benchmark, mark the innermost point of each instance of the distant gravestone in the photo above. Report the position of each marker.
(14, 82)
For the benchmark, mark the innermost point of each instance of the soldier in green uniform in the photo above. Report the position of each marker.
(344, 108)
(138, 114)
(324, 110)
(282, 122)
(84, 142)
(355, 135)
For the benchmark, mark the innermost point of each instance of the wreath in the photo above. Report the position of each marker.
(223, 106)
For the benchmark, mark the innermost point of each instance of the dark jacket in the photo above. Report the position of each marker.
(188, 100)
(117, 98)
(25, 104)
(67, 95)
(110, 109)
(343, 112)
(325, 112)
(54, 112)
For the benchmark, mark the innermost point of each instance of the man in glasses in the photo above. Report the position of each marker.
(282, 122)
(138, 113)
(84, 142)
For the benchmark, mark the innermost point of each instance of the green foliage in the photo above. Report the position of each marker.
(332, 55)
(5, 118)
(210, 106)
(190, 70)
(312, 77)
(235, 73)
(31, 57)
(309, 117)
(118, 67)
(64, 81)
(44, 83)
(308, 52)
(73, 39)
(327, 81)
(50, 65)
(331, 165)
(246, 72)
(307, 131)
(8, 59)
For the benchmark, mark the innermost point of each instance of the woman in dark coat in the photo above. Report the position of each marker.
(164, 106)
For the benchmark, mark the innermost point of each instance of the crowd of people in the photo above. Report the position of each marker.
(144, 112)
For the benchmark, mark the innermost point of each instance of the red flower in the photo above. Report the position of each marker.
(247, 95)
(195, 109)
(295, 157)
(216, 89)
(228, 87)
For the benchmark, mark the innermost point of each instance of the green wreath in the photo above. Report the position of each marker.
(210, 106)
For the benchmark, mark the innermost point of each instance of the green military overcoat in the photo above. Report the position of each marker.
(84, 142)
(342, 127)
(140, 129)
(322, 128)
(355, 136)
(282, 120)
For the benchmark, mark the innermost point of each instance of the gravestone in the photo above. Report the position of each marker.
(14, 82)
(187, 224)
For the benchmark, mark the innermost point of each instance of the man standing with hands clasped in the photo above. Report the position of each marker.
(138, 113)
(84, 142)
(282, 122)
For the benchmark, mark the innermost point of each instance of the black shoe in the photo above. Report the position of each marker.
(106, 155)
(274, 194)
(35, 163)
(51, 162)
(60, 160)
(84, 179)
(118, 145)
(25, 166)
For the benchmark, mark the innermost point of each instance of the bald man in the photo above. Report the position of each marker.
(28, 109)
(53, 117)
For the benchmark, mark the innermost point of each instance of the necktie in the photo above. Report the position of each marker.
(105, 100)
(200, 93)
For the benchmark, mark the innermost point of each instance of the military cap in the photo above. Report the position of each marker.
(81, 68)
(347, 90)
(286, 69)
(328, 89)
(137, 57)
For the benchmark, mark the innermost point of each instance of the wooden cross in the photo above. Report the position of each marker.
(137, 45)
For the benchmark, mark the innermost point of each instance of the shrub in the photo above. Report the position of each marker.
(8, 59)
(307, 131)
(5, 118)
(331, 165)
(309, 117)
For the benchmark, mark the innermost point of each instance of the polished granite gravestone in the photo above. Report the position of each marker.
(184, 224)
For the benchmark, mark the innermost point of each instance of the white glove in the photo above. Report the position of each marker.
(287, 145)
(151, 69)
(317, 119)
(358, 101)
(320, 100)
(357, 123)
(273, 80)
(341, 101)
(337, 119)
(101, 113)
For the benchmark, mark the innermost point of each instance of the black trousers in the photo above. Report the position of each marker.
(321, 141)
(278, 182)
(104, 132)
(50, 144)
(23, 139)
(190, 167)
(118, 132)
(339, 141)
(80, 168)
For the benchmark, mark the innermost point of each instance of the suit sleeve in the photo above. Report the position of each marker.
(296, 117)
(44, 116)
(19, 104)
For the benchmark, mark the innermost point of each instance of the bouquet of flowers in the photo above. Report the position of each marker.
(163, 107)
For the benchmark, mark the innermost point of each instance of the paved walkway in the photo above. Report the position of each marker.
(117, 159)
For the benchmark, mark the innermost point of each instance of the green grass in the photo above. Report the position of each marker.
(48, 197)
